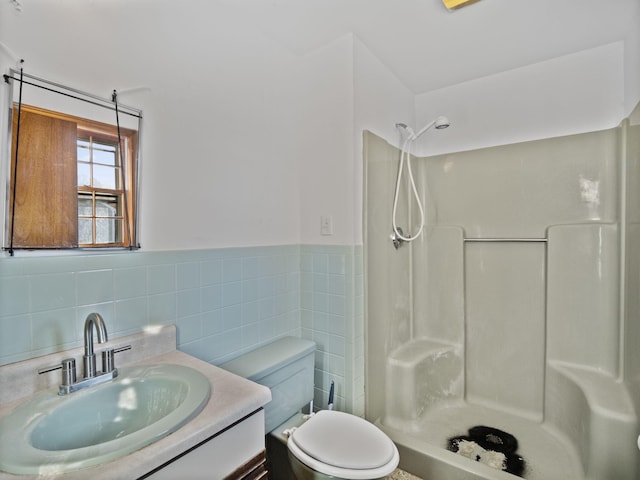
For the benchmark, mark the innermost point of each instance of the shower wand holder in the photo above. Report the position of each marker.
(396, 239)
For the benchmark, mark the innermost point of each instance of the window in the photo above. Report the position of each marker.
(101, 196)
(71, 185)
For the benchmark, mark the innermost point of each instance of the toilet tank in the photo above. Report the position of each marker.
(286, 367)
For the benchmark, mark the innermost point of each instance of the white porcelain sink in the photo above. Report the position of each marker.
(52, 434)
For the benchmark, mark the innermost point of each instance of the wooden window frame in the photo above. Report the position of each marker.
(128, 183)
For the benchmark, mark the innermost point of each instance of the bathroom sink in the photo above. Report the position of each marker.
(53, 434)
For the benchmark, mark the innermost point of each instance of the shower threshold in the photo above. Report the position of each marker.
(548, 455)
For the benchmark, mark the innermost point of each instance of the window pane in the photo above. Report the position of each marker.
(108, 230)
(84, 174)
(105, 177)
(106, 207)
(85, 234)
(84, 206)
(84, 155)
(105, 154)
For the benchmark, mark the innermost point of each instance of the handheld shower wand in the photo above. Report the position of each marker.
(439, 123)
(398, 236)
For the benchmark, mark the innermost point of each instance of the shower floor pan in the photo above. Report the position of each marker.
(588, 430)
(547, 453)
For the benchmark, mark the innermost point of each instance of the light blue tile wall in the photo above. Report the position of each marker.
(223, 301)
(332, 316)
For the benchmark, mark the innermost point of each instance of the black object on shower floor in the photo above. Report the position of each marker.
(493, 447)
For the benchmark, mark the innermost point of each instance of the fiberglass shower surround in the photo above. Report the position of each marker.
(397, 236)
(513, 313)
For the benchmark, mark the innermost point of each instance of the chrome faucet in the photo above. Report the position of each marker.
(93, 322)
(91, 377)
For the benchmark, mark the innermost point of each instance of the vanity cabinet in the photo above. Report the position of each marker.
(236, 453)
(226, 440)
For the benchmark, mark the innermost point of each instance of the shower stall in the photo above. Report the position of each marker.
(517, 308)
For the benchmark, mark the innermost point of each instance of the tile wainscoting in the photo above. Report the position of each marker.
(224, 302)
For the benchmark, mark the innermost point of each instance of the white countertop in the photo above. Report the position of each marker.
(232, 398)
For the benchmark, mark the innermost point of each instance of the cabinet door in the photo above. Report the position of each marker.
(221, 456)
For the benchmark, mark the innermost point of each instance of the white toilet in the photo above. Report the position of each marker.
(330, 444)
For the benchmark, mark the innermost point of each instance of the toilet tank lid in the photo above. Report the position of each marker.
(266, 359)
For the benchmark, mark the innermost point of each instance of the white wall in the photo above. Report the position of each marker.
(244, 142)
(575, 93)
(323, 138)
(247, 143)
(588, 90)
(381, 101)
(219, 166)
(346, 90)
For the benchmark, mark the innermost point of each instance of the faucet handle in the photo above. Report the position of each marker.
(68, 367)
(108, 363)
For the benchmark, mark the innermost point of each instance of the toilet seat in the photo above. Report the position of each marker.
(343, 445)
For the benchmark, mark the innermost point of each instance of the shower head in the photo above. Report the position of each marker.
(439, 123)
(442, 123)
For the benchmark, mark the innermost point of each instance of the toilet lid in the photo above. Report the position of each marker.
(344, 440)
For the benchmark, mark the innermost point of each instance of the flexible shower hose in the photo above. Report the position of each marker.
(406, 153)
